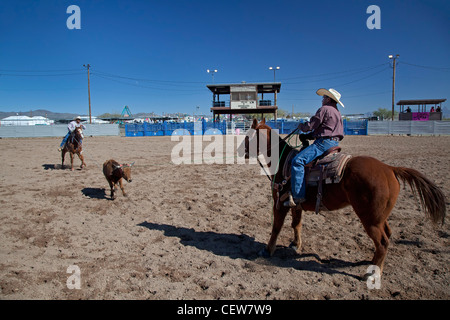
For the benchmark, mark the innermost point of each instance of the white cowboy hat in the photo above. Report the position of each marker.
(333, 94)
(78, 118)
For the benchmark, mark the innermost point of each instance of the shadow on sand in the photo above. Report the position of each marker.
(95, 193)
(51, 166)
(241, 246)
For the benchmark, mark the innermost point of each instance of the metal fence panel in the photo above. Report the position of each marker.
(400, 127)
(441, 127)
(409, 127)
(422, 127)
(175, 128)
(378, 127)
(57, 130)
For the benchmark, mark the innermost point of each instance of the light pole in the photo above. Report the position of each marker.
(89, 91)
(393, 82)
(212, 73)
(274, 69)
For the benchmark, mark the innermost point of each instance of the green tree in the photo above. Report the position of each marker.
(385, 114)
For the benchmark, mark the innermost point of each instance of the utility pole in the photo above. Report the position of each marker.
(89, 91)
(393, 83)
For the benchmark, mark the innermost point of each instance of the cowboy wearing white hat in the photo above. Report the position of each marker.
(71, 126)
(327, 129)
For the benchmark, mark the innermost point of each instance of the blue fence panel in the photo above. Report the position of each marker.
(355, 127)
(169, 128)
(283, 126)
(351, 127)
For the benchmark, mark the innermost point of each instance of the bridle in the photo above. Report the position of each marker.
(285, 139)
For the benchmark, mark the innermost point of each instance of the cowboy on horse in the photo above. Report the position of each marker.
(327, 130)
(76, 123)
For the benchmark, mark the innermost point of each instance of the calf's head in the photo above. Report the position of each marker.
(126, 169)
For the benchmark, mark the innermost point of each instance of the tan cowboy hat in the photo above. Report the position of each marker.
(333, 94)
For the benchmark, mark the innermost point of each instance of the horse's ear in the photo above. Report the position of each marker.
(263, 120)
(255, 123)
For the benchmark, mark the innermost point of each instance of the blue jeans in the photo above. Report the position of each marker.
(298, 185)
(65, 139)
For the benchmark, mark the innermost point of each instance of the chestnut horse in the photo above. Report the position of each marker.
(74, 146)
(368, 185)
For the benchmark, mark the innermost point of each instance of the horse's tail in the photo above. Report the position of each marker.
(431, 197)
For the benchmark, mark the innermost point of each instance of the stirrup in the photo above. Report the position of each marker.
(291, 203)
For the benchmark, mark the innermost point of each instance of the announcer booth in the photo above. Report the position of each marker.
(422, 110)
(244, 98)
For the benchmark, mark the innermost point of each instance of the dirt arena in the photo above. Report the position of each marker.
(194, 231)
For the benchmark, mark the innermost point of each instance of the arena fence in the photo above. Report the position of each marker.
(351, 127)
(56, 130)
(175, 128)
(236, 127)
(409, 127)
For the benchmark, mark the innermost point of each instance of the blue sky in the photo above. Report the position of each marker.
(153, 55)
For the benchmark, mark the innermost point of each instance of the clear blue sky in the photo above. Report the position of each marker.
(153, 55)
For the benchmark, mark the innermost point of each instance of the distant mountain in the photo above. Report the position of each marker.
(44, 113)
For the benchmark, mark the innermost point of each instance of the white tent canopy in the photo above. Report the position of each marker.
(25, 121)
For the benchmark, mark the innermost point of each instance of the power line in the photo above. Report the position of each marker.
(39, 75)
(139, 85)
(60, 70)
(341, 84)
(352, 71)
(426, 67)
(146, 80)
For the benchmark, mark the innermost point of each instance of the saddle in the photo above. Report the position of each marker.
(327, 168)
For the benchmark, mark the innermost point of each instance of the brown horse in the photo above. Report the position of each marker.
(74, 146)
(368, 185)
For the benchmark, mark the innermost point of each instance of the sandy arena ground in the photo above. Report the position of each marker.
(194, 231)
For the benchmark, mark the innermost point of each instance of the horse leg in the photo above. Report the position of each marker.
(80, 155)
(381, 241)
(71, 161)
(387, 230)
(297, 226)
(278, 219)
(376, 225)
(63, 154)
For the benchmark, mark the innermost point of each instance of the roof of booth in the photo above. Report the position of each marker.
(419, 102)
(268, 87)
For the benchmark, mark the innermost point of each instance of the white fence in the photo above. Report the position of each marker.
(56, 131)
(409, 127)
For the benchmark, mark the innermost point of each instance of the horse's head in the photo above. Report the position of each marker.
(256, 135)
(79, 133)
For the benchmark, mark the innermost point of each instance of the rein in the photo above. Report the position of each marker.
(285, 139)
(75, 138)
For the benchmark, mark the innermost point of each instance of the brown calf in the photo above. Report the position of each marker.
(114, 172)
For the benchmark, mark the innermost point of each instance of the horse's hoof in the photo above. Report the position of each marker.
(369, 275)
(264, 253)
(293, 246)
